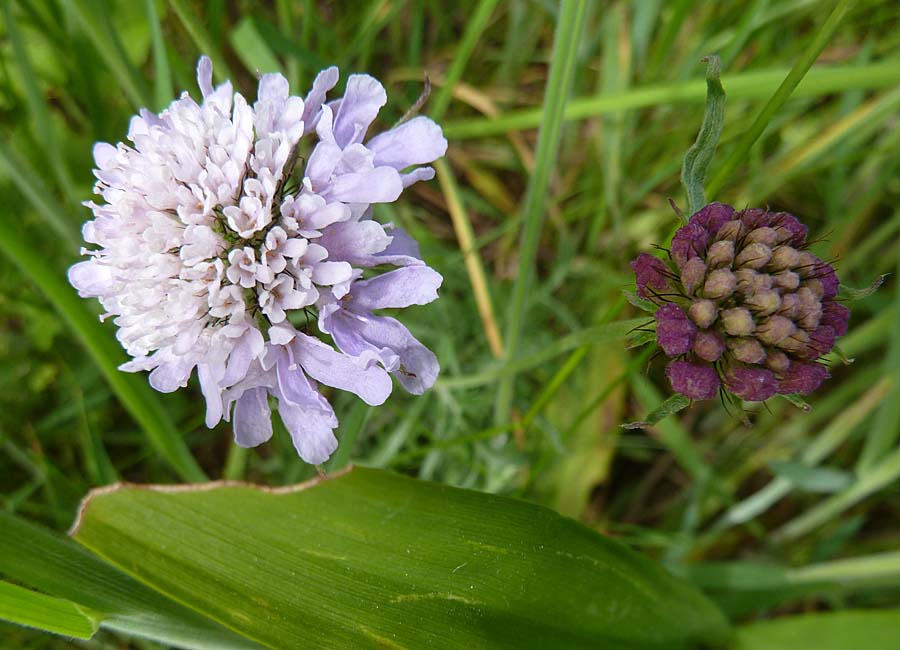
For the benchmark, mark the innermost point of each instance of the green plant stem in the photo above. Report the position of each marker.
(565, 48)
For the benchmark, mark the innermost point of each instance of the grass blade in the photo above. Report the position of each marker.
(32, 609)
(565, 50)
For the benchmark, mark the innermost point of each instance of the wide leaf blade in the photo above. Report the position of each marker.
(374, 559)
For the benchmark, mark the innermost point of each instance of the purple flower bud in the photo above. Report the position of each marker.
(754, 256)
(731, 231)
(674, 331)
(821, 341)
(751, 384)
(790, 230)
(713, 216)
(777, 361)
(802, 378)
(774, 329)
(762, 235)
(703, 312)
(720, 254)
(650, 273)
(784, 257)
(693, 380)
(719, 284)
(738, 321)
(692, 274)
(708, 345)
(747, 350)
(764, 302)
(689, 241)
(836, 316)
(786, 280)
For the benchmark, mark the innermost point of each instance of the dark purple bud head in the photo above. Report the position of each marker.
(821, 341)
(693, 273)
(693, 380)
(708, 345)
(703, 312)
(719, 284)
(802, 378)
(790, 230)
(738, 321)
(650, 275)
(751, 384)
(674, 331)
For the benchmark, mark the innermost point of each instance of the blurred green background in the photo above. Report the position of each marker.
(799, 512)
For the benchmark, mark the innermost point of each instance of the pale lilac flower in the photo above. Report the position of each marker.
(208, 240)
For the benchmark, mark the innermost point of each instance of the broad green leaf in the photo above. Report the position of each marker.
(32, 609)
(41, 560)
(698, 157)
(872, 630)
(374, 559)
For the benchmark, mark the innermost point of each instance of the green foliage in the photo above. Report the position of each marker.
(812, 99)
(371, 558)
(699, 156)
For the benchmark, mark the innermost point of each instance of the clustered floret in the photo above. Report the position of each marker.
(218, 249)
(742, 305)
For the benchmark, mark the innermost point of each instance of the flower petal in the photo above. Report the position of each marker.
(312, 105)
(362, 100)
(311, 430)
(411, 285)
(380, 185)
(252, 418)
(416, 142)
(336, 369)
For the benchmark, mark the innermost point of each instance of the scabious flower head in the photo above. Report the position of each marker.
(215, 244)
(742, 305)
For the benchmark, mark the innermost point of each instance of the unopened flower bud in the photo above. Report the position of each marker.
(703, 313)
(730, 230)
(693, 380)
(721, 283)
(809, 318)
(786, 280)
(764, 235)
(751, 384)
(720, 254)
(738, 321)
(692, 274)
(790, 305)
(674, 332)
(802, 378)
(777, 361)
(764, 302)
(708, 345)
(774, 329)
(747, 350)
(796, 344)
(784, 257)
(753, 256)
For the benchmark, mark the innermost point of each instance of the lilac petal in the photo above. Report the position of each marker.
(649, 272)
(169, 376)
(802, 378)
(411, 285)
(356, 242)
(336, 369)
(414, 365)
(402, 251)
(104, 154)
(713, 216)
(322, 162)
(693, 380)
(273, 87)
(751, 384)
(380, 185)
(836, 316)
(325, 81)
(312, 431)
(362, 100)
(252, 418)
(295, 386)
(674, 330)
(248, 347)
(91, 278)
(204, 75)
(416, 142)
(331, 273)
(212, 393)
(416, 175)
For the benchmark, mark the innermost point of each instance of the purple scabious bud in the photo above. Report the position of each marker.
(745, 303)
(674, 331)
(650, 273)
(694, 380)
